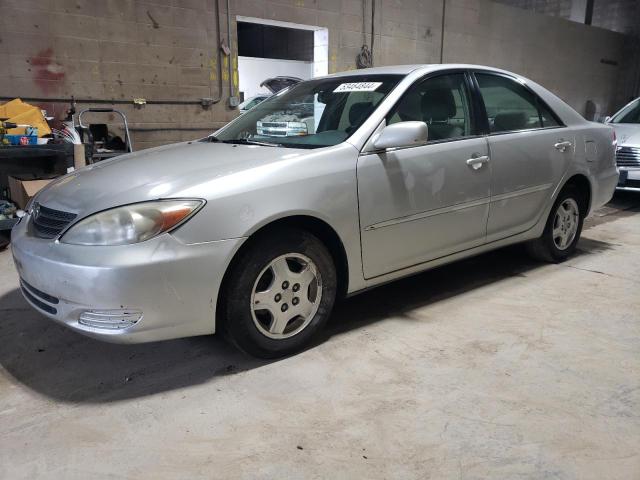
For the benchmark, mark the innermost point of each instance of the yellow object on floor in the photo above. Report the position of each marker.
(17, 111)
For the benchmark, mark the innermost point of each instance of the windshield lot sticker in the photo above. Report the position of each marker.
(358, 87)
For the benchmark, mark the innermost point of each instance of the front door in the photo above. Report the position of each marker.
(428, 201)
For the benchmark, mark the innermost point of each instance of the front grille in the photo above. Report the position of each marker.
(48, 223)
(38, 298)
(630, 184)
(628, 157)
(273, 129)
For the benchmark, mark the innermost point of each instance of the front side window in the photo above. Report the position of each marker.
(511, 106)
(311, 114)
(629, 114)
(441, 102)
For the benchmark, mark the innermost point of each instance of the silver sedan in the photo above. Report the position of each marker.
(329, 187)
(626, 124)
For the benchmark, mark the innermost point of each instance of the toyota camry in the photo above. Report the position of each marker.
(329, 187)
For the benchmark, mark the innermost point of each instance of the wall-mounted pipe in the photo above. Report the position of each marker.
(233, 101)
(201, 101)
(173, 129)
(444, 13)
(588, 14)
(218, 47)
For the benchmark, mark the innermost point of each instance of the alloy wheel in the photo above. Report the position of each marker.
(286, 296)
(565, 223)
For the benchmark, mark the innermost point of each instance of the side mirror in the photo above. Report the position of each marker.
(403, 134)
(607, 119)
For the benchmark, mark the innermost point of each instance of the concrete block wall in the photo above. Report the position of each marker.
(559, 8)
(617, 15)
(117, 50)
(166, 50)
(565, 57)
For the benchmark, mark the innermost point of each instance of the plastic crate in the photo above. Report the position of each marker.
(22, 139)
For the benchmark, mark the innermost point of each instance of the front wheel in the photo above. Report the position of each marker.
(563, 228)
(279, 294)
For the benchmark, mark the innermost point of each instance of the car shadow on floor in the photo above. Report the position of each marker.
(65, 366)
(401, 297)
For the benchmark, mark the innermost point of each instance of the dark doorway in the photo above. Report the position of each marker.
(267, 41)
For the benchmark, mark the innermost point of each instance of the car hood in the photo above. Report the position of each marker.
(628, 134)
(164, 172)
(275, 84)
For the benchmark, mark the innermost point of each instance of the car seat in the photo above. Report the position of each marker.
(438, 107)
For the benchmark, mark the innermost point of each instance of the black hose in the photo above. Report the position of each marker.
(373, 26)
(364, 59)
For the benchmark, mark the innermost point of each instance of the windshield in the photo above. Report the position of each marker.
(629, 114)
(312, 114)
(251, 102)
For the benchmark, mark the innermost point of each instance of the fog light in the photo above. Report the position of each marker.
(110, 319)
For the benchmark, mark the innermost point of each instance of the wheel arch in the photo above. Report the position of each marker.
(314, 225)
(583, 184)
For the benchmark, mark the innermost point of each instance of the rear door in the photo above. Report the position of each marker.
(428, 201)
(530, 150)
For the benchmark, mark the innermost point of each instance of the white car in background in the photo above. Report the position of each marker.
(274, 85)
(626, 123)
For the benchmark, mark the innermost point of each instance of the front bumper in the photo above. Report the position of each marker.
(174, 285)
(629, 178)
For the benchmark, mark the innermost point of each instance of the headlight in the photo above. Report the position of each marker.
(131, 223)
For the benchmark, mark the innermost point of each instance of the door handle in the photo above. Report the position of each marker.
(477, 162)
(562, 146)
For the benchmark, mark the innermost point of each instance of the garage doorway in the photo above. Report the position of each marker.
(270, 48)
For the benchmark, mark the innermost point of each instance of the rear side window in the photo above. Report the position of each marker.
(511, 107)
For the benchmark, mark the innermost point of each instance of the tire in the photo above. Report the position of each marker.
(558, 241)
(254, 294)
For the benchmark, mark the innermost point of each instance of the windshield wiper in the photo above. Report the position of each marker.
(246, 141)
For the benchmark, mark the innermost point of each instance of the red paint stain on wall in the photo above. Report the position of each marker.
(47, 73)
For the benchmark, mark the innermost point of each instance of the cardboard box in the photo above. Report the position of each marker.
(23, 188)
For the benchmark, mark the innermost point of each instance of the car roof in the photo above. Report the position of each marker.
(568, 115)
(406, 69)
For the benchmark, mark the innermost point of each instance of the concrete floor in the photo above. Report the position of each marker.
(495, 367)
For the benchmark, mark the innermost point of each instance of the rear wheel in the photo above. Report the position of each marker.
(563, 228)
(279, 294)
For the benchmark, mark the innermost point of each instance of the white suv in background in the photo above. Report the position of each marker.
(626, 123)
